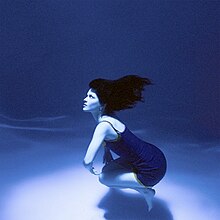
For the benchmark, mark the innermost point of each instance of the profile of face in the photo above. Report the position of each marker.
(91, 102)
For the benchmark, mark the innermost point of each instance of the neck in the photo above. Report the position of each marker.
(98, 116)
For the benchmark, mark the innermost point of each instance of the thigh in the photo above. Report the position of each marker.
(118, 173)
(118, 164)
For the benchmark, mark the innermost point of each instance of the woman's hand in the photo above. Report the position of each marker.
(94, 171)
(90, 167)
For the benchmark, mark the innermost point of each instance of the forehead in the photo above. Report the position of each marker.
(91, 92)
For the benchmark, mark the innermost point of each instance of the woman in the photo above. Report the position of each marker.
(140, 165)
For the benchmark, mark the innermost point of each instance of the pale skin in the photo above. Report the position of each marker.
(113, 175)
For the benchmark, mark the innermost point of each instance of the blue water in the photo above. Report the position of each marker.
(50, 50)
(41, 161)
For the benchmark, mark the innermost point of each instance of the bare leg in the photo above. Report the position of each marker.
(117, 176)
(148, 194)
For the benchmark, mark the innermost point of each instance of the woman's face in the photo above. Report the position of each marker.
(91, 102)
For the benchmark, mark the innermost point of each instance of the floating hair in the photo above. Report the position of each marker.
(120, 94)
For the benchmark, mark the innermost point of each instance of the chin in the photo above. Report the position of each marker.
(85, 110)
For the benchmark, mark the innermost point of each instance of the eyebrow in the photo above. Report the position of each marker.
(89, 93)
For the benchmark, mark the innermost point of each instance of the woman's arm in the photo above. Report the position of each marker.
(96, 142)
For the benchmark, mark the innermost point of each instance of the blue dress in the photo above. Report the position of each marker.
(144, 159)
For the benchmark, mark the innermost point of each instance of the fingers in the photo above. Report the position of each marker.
(94, 171)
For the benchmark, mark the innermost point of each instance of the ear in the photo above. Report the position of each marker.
(102, 108)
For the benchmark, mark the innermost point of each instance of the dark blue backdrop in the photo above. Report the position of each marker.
(51, 49)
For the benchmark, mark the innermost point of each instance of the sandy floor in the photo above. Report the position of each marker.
(42, 178)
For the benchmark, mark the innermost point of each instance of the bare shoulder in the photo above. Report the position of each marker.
(116, 123)
(103, 127)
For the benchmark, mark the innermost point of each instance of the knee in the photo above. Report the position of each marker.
(104, 179)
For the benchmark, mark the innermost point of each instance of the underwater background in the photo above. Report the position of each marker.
(51, 50)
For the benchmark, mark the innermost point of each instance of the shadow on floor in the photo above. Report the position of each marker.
(121, 205)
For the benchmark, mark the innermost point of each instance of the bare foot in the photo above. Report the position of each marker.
(148, 194)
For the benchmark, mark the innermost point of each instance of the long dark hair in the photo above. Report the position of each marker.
(119, 94)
